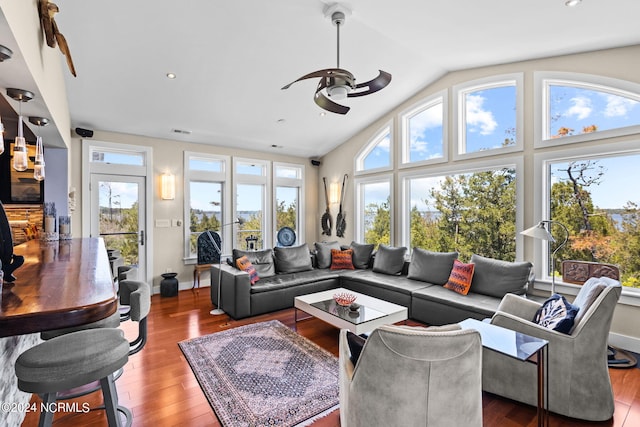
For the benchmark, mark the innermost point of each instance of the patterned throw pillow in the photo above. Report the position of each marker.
(556, 313)
(245, 265)
(342, 260)
(460, 278)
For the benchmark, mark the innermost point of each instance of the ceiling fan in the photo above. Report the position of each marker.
(339, 83)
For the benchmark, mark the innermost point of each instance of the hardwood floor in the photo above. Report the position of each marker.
(160, 389)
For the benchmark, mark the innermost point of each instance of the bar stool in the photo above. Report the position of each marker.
(72, 360)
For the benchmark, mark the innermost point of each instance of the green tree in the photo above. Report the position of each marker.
(378, 223)
(286, 216)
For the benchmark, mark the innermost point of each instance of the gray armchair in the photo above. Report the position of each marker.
(412, 376)
(579, 383)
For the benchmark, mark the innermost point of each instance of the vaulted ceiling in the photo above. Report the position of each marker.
(232, 58)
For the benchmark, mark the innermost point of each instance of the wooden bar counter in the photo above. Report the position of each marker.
(61, 284)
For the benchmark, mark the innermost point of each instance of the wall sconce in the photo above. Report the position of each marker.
(168, 186)
(334, 193)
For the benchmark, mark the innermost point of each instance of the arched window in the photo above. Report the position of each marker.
(377, 155)
(424, 132)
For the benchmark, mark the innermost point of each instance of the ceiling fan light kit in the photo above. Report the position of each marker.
(339, 83)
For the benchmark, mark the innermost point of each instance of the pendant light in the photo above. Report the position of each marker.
(38, 164)
(20, 158)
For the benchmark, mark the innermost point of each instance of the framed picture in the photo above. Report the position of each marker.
(24, 188)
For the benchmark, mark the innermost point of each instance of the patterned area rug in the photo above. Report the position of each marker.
(263, 374)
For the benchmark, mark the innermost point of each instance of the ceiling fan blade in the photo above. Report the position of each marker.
(327, 72)
(329, 105)
(374, 85)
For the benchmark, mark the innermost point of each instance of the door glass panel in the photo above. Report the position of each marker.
(118, 218)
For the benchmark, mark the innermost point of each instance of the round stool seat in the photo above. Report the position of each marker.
(112, 321)
(71, 360)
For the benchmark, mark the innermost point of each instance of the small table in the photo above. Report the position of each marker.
(519, 346)
(196, 273)
(372, 314)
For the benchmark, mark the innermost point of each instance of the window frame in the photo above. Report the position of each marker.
(371, 145)
(359, 182)
(223, 177)
(247, 179)
(459, 108)
(293, 183)
(542, 189)
(478, 166)
(544, 79)
(417, 108)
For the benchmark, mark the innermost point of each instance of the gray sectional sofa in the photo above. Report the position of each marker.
(418, 285)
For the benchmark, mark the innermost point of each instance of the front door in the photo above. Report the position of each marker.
(118, 216)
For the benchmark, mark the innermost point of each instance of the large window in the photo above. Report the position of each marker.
(489, 116)
(592, 197)
(374, 210)
(206, 200)
(288, 181)
(424, 132)
(468, 212)
(377, 155)
(251, 182)
(578, 107)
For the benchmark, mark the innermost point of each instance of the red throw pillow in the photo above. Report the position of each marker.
(245, 265)
(342, 260)
(460, 277)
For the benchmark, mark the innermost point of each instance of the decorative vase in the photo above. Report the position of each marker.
(169, 285)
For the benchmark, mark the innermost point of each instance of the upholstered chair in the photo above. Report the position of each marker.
(578, 382)
(413, 376)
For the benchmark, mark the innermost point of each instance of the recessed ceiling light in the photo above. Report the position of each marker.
(322, 114)
(171, 76)
(572, 3)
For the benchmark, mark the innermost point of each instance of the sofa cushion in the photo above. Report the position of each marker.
(496, 277)
(289, 280)
(460, 278)
(484, 305)
(389, 260)
(323, 253)
(556, 313)
(361, 254)
(245, 265)
(431, 267)
(262, 261)
(341, 260)
(292, 259)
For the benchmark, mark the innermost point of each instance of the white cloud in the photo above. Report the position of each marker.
(581, 108)
(479, 118)
(618, 106)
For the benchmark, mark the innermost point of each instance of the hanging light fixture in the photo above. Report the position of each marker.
(1, 136)
(20, 158)
(38, 164)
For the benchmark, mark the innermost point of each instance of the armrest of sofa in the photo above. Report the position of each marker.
(235, 293)
(518, 306)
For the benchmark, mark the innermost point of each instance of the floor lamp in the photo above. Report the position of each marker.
(542, 231)
(218, 247)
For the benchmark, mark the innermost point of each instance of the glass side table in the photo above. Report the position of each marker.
(519, 346)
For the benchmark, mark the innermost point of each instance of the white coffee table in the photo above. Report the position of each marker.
(373, 312)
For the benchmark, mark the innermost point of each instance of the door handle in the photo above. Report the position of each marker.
(141, 237)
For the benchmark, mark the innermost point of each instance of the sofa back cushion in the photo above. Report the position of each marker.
(262, 261)
(323, 253)
(361, 254)
(292, 259)
(431, 267)
(496, 278)
(389, 260)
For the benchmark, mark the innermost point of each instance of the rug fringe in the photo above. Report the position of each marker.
(317, 417)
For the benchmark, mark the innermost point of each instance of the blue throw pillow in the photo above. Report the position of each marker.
(556, 313)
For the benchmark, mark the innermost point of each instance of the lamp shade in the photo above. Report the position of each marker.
(538, 232)
(168, 187)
